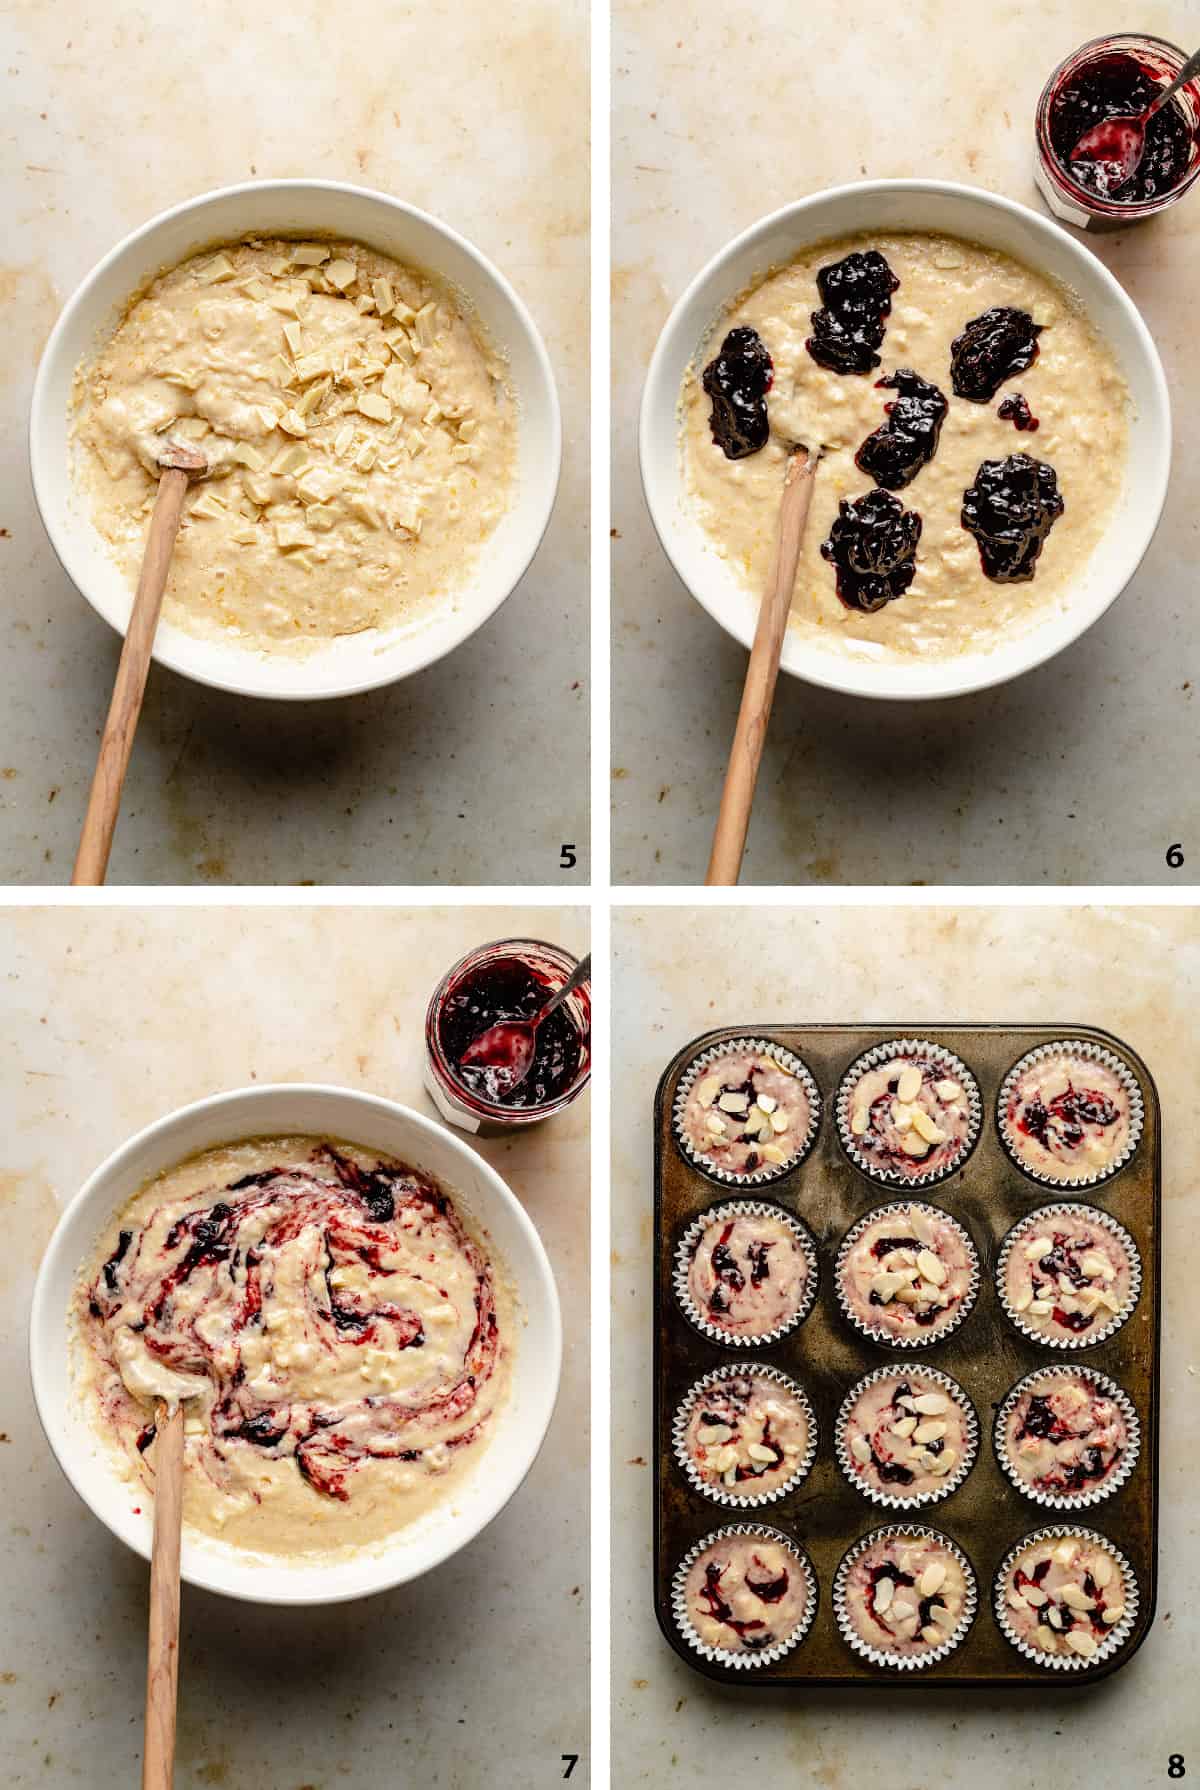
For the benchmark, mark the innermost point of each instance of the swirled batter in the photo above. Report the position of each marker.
(339, 1335)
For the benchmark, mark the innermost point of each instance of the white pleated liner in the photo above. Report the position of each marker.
(744, 1659)
(1113, 1482)
(721, 1494)
(953, 1479)
(1029, 1226)
(928, 1339)
(720, 1214)
(766, 1173)
(1066, 1662)
(1094, 1053)
(878, 1656)
(921, 1049)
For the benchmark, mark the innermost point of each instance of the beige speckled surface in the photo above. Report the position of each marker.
(113, 111)
(721, 115)
(108, 1019)
(1135, 971)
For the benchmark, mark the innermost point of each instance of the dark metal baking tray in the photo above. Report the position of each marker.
(986, 1355)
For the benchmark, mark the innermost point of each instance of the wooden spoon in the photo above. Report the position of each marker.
(737, 799)
(162, 1654)
(179, 464)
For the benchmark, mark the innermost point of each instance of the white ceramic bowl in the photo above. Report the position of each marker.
(377, 1124)
(909, 205)
(299, 207)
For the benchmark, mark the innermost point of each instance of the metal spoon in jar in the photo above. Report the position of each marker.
(507, 1047)
(1116, 145)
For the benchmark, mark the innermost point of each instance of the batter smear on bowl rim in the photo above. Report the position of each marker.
(340, 1335)
(358, 428)
(899, 353)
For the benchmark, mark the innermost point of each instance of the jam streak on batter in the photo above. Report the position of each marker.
(356, 1218)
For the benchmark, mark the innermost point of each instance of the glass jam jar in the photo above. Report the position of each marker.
(507, 979)
(1110, 74)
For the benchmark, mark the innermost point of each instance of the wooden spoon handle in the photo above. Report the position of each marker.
(95, 841)
(162, 1657)
(737, 799)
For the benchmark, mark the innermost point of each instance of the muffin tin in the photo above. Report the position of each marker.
(986, 1516)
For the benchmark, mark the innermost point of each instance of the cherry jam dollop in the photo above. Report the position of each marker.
(1010, 509)
(737, 382)
(504, 988)
(1115, 86)
(873, 546)
(856, 293)
(894, 453)
(991, 348)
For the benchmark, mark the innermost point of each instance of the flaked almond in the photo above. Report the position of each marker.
(920, 1224)
(1046, 1639)
(1081, 1643)
(1021, 1301)
(1040, 1308)
(931, 1404)
(932, 1579)
(908, 1085)
(913, 1144)
(932, 1635)
(768, 1102)
(715, 1433)
(1036, 1596)
(1037, 1248)
(860, 1448)
(933, 1431)
(773, 1153)
(758, 1451)
(931, 1268)
(902, 1115)
(947, 1459)
(1092, 1264)
(708, 1089)
(1102, 1570)
(902, 1609)
(733, 1103)
(714, 1124)
(1077, 1597)
(884, 1592)
(1054, 1616)
(859, 1119)
(904, 1428)
(1066, 1552)
(1113, 1613)
(929, 1130)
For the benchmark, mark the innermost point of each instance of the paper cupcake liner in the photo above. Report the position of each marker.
(722, 1494)
(717, 1215)
(882, 1053)
(768, 1172)
(1115, 1480)
(1029, 1227)
(952, 1480)
(928, 1339)
(879, 1656)
(742, 1660)
(1066, 1662)
(1095, 1053)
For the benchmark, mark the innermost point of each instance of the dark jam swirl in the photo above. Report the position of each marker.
(1010, 510)
(506, 988)
(856, 294)
(737, 383)
(992, 348)
(873, 547)
(1059, 1123)
(1015, 410)
(241, 1259)
(1117, 86)
(894, 453)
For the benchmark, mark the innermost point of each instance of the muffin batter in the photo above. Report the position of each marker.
(1067, 1117)
(359, 434)
(1064, 1595)
(1067, 1275)
(746, 1593)
(746, 1110)
(908, 1274)
(1065, 1435)
(1072, 386)
(749, 1274)
(910, 1116)
(905, 1435)
(340, 1338)
(747, 1435)
(905, 1594)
